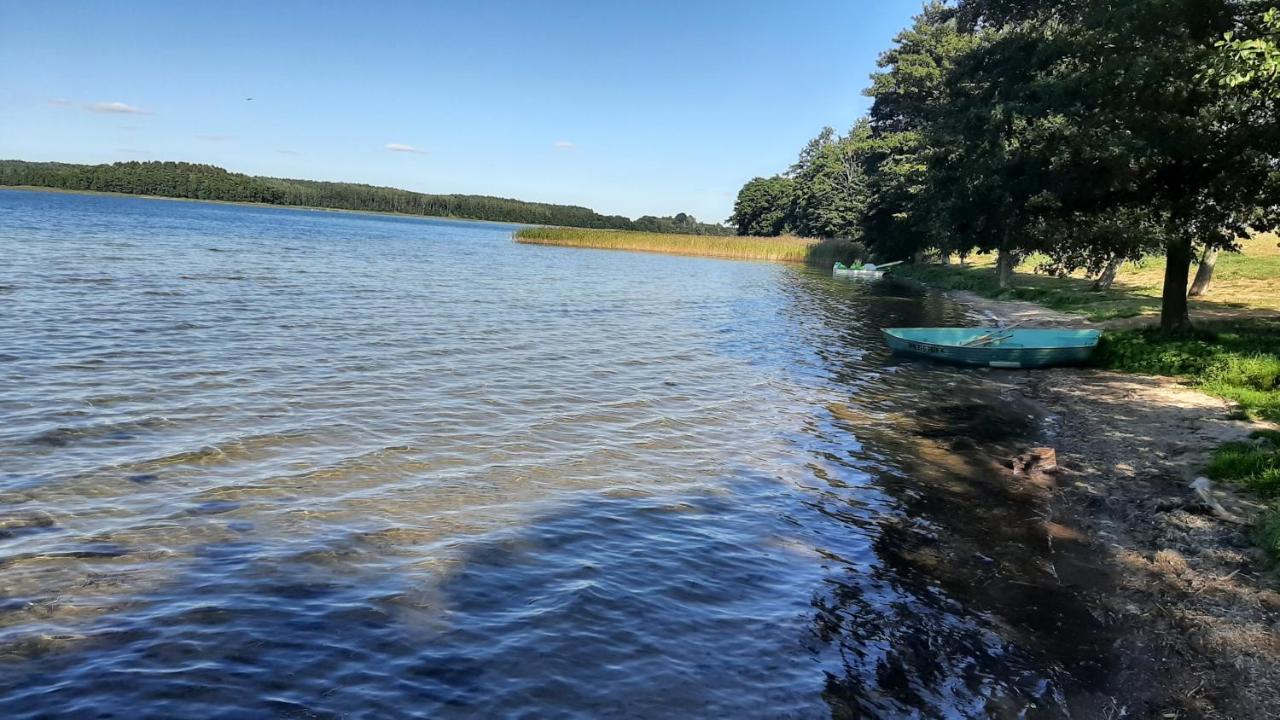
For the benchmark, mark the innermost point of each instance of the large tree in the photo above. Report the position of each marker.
(912, 89)
(831, 184)
(764, 206)
(1195, 157)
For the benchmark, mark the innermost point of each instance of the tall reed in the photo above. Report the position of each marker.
(779, 249)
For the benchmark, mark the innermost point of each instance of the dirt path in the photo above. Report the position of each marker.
(1032, 315)
(1187, 603)
(1192, 593)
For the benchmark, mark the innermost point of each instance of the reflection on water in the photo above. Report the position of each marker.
(259, 462)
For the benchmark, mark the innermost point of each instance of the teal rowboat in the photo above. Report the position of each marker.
(995, 347)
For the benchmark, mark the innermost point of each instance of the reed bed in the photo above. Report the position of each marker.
(777, 249)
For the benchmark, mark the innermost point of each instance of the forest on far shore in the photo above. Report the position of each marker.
(208, 182)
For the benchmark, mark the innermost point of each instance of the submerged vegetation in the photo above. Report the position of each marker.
(207, 182)
(781, 248)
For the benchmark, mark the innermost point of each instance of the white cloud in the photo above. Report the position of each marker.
(562, 145)
(60, 102)
(400, 147)
(118, 108)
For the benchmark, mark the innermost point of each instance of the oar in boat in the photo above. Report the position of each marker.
(991, 337)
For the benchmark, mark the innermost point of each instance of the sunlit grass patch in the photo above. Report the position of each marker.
(1267, 533)
(1246, 279)
(1236, 360)
(1252, 463)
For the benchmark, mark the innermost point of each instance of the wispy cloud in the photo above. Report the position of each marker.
(217, 138)
(60, 102)
(400, 147)
(562, 145)
(117, 108)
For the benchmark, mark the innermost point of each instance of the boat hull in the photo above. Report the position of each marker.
(1028, 349)
(862, 274)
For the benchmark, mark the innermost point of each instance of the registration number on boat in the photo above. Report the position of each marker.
(920, 347)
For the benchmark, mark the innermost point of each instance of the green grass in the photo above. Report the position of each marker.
(1267, 532)
(1242, 280)
(1238, 360)
(779, 249)
(1254, 465)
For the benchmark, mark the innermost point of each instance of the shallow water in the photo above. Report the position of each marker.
(279, 463)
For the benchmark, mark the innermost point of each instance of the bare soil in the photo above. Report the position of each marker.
(1156, 606)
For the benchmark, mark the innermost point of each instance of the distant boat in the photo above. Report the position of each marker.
(866, 272)
(995, 347)
(852, 273)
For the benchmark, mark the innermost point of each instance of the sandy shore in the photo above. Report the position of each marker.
(1178, 610)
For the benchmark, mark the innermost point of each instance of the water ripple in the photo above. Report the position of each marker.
(372, 467)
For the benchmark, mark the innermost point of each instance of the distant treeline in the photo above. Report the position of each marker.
(207, 182)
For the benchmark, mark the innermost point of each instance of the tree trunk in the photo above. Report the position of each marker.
(1204, 275)
(1108, 276)
(1173, 301)
(1005, 261)
(917, 257)
(946, 258)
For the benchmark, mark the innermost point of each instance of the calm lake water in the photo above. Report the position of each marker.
(282, 463)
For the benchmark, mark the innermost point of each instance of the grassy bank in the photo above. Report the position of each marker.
(1254, 465)
(778, 249)
(1238, 360)
(1241, 280)
(1233, 353)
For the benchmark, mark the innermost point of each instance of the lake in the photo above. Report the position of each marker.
(259, 462)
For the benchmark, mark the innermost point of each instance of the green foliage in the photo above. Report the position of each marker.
(829, 252)
(1087, 131)
(831, 185)
(764, 206)
(1112, 105)
(1239, 360)
(1267, 532)
(1252, 463)
(206, 182)
(824, 194)
(1249, 59)
(908, 204)
(681, 223)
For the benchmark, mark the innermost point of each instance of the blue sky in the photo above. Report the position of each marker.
(626, 107)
